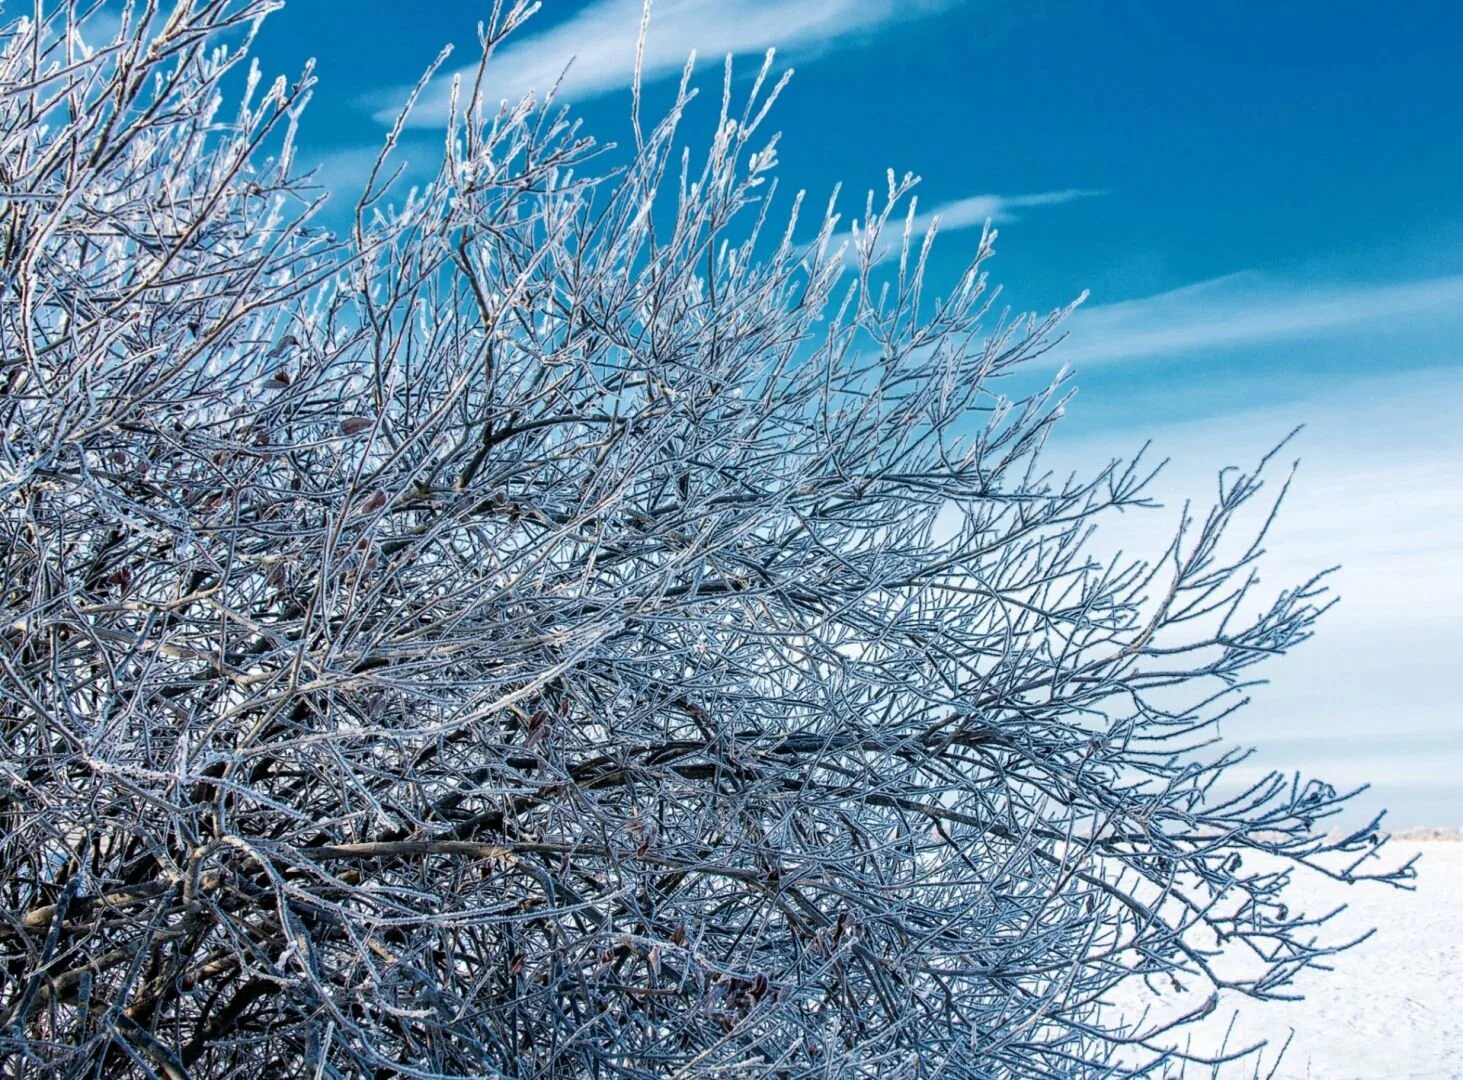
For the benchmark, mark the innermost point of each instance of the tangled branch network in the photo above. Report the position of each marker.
(569, 626)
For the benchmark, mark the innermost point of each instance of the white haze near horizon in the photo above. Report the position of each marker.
(1379, 491)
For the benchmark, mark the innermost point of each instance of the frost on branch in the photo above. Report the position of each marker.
(574, 625)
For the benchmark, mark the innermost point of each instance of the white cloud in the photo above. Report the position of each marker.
(600, 40)
(101, 28)
(975, 210)
(344, 171)
(1244, 308)
(971, 212)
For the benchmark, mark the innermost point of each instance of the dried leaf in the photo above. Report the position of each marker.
(286, 343)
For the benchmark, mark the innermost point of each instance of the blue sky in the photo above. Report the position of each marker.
(1263, 201)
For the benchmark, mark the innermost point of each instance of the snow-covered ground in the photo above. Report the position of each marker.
(1392, 1008)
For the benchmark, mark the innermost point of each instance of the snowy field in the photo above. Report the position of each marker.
(1392, 1008)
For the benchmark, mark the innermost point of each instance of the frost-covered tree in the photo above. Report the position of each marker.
(584, 622)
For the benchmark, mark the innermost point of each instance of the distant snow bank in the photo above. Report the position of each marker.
(1427, 832)
(1392, 1008)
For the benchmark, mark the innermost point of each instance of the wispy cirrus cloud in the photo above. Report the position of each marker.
(973, 212)
(1246, 308)
(101, 26)
(600, 40)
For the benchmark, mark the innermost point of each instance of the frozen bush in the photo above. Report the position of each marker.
(583, 622)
